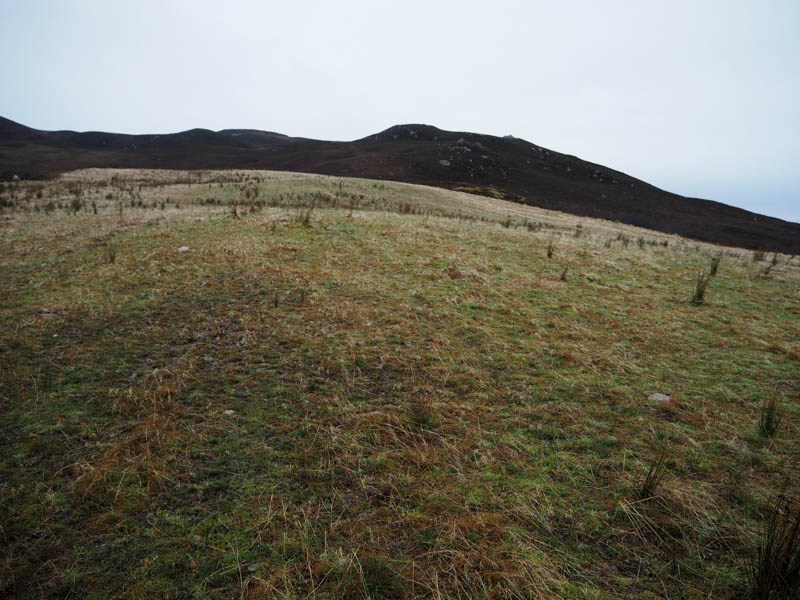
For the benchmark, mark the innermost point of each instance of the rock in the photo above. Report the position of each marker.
(229, 412)
(15, 178)
(444, 163)
(252, 568)
(656, 397)
(183, 249)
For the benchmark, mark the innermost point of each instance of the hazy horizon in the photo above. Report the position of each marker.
(697, 100)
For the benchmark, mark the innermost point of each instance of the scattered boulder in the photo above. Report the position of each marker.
(183, 249)
(444, 163)
(228, 412)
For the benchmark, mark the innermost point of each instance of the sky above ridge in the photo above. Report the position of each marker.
(699, 98)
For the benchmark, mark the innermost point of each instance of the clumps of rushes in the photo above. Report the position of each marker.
(772, 412)
(564, 274)
(759, 255)
(111, 253)
(304, 216)
(550, 249)
(774, 571)
(715, 260)
(700, 287)
(768, 267)
(656, 472)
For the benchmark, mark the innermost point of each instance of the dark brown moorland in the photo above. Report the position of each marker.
(507, 167)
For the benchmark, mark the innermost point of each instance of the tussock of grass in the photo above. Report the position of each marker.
(655, 474)
(111, 253)
(700, 287)
(774, 572)
(715, 261)
(771, 416)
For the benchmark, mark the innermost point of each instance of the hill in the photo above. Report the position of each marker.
(271, 385)
(504, 167)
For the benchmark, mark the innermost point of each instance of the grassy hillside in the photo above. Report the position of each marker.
(350, 389)
(507, 167)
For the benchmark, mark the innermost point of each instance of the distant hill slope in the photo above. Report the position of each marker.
(507, 167)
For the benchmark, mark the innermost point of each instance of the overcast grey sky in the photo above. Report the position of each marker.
(697, 97)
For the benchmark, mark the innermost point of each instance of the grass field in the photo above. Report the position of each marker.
(357, 389)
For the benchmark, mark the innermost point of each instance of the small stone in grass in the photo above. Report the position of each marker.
(229, 412)
(658, 397)
(183, 249)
